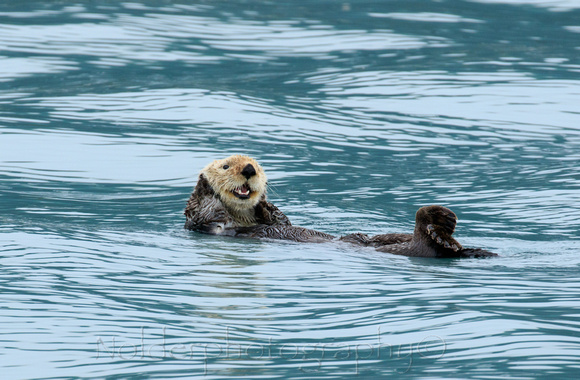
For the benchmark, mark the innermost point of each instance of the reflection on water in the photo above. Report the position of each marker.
(360, 113)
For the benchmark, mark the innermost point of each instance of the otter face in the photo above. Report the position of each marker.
(239, 181)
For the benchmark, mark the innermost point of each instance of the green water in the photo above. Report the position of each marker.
(360, 112)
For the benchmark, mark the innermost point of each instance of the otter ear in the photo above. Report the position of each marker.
(440, 236)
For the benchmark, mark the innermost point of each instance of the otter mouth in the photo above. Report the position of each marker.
(242, 192)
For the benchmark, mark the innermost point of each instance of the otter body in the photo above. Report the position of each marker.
(230, 199)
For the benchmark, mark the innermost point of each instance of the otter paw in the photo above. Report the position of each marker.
(212, 228)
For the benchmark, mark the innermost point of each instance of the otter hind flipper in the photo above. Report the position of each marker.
(434, 226)
(438, 223)
(442, 238)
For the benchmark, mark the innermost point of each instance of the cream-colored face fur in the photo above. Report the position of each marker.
(236, 190)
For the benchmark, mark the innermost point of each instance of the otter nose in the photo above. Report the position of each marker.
(248, 171)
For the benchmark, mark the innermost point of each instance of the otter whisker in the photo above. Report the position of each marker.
(272, 188)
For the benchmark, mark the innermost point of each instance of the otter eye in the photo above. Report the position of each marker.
(226, 167)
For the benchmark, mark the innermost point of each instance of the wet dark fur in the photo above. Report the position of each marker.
(285, 232)
(204, 211)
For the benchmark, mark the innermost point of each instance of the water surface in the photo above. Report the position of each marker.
(360, 113)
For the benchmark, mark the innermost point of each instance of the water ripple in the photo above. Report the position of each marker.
(247, 300)
(552, 5)
(360, 112)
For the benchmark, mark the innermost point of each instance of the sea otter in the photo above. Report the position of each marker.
(230, 199)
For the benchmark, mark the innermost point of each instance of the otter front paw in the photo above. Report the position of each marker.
(213, 228)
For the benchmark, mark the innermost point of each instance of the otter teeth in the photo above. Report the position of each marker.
(242, 192)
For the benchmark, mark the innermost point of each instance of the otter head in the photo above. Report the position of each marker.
(239, 181)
